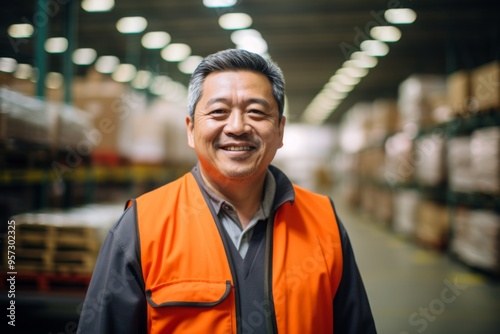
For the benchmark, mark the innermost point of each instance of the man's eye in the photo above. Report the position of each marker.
(218, 112)
(256, 111)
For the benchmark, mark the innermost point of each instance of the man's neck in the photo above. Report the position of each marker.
(245, 195)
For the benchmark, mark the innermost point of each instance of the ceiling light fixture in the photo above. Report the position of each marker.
(345, 79)
(98, 5)
(21, 30)
(250, 40)
(176, 52)
(8, 65)
(106, 64)
(219, 3)
(131, 24)
(233, 21)
(84, 56)
(155, 39)
(400, 15)
(188, 65)
(386, 33)
(124, 73)
(56, 45)
(364, 60)
(23, 71)
(358, 72)
(374, 48)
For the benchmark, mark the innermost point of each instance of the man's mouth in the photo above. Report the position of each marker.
(237, 148)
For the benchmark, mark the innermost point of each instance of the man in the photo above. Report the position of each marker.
(232, 246)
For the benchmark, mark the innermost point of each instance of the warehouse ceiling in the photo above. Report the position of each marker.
(309, 39)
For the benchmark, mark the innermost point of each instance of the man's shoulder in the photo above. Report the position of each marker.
(168, 187)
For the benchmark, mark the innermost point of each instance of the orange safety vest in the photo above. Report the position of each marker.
(187, 276)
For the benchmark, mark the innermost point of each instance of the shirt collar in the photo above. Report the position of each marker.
(217, 202)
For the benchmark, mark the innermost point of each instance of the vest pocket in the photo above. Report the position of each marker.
(189, 293)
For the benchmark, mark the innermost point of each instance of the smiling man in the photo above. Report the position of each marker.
(232, 246)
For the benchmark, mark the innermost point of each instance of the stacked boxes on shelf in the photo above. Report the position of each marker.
(474, 166)
(440, 164)
(29, 120)
(485, 159)
(476, 238)
(363, 133)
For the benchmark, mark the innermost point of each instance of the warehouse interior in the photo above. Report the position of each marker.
(392, 107)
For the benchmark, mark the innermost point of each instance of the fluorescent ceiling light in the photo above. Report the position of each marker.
(386, 33)
(352, 63)
(155, 39)
(233, 21)
(7, 64)
(239, 36)
(345, 79)
(56, 45)
(124, 73)
(54, 80)
(23, 71)
(342, 88)
(84, 56)
(106, 64)
(98, 5)
(176, 52)
(188, 65)
(364, 60)
(219, 3)
(400, 15)
(131, 24)
(142, 79)
(250, 40)
(357, 72)
(21, 30)
(334, 95)
(374, 48)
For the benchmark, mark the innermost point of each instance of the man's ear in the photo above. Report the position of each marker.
(190, 130)
(282, 129)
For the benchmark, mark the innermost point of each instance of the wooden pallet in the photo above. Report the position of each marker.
(56, 249)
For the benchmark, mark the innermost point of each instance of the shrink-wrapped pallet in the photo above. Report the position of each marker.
(429, 159)
(432, 228)
(406, 204)
(460, 174)
(485, 160)
(476, 238)
(415, 101)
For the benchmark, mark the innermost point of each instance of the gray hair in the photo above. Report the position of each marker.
(234, 60)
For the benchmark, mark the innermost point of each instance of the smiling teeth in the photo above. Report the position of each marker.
(238, 148)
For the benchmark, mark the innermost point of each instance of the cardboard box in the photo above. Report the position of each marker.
(101, 98)
(485, 159)
(459, 91)
(476, 238)
(485, 85)
(433, 225)
(385, 119)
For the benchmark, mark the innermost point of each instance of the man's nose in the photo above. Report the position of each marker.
(236, 123)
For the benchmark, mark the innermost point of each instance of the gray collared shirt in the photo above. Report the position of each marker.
(229, 218)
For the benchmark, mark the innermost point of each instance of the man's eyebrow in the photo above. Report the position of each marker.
(264, 102)
(257, 100)
(216, 100)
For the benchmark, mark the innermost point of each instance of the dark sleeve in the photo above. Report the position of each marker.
(352, 312)
(115, 300)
